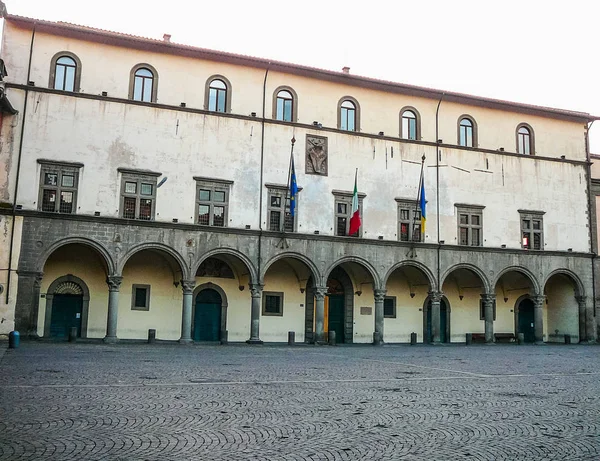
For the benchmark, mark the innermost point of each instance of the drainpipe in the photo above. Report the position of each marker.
(262, 163)
(14, 206)
(437, 186)
(593, 248)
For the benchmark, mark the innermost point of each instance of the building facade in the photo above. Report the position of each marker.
(144, 185)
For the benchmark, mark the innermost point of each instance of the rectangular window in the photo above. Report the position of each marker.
(58, 187)
(272, 303)
(532, 229)
(212, 201)
(409, 230)
(343, 212)
(138, 195)
(470, 225)
(279, 209)
(140, 297)
(389, 307)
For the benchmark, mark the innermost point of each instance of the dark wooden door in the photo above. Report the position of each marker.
(336, 316)
(207, 316)
(526, 320)
(66, 313)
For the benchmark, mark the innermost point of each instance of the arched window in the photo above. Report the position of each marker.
(143, 84)
(524, 139)
(348, 116)
(217, 96)
(410, 123)
(65, 70)
(284, 106)
(467, 132)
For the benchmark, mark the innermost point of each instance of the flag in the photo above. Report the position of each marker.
(293, 188)
(422, 203)
(355, 218)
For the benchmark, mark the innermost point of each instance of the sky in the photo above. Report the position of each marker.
(540, 52)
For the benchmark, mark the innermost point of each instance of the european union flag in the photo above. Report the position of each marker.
(293, 189)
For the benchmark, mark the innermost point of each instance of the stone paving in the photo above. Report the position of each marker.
(169, 402)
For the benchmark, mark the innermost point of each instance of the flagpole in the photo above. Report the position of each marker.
(418, 199)
(287, 192)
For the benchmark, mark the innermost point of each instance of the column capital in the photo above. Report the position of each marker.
(581, 300)
(320, 292)
(538, 300)
(488, 297)
(256, 289)
(37, 280)
(436, 296)
(379, 295)
(188, 286)
(114, 282)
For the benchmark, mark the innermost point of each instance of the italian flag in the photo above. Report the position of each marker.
(355, 218)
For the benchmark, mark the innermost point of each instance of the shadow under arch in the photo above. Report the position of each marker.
(224, 304)
(523, 271)
(470, 267)
(69, 278)
(415, 264)
(230, 252)
(579, 289)
(183, 267)
(110, 266)
(315, 273)
(361, 262)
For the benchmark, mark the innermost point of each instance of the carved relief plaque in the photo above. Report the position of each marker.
(316, 154)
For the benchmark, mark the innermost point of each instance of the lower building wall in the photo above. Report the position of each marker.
(7, 306)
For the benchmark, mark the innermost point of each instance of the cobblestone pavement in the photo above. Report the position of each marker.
(169, 402)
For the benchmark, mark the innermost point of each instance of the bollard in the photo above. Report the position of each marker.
(14, 339)
(377, 338)
(151, 335)
(469, 338)
(72, 334)
(413, 339)
(291, 338)
(520, 338)
(567, 339)
(332, 338)
(224, 337)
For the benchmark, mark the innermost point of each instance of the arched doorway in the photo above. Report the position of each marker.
(67, 310)
(525, 319)
(444, 321)
(207, 316)
(334, 310)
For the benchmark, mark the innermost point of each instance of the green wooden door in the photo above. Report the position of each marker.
(207, 316)
(66, 313)
(336, 316)
(526, 320)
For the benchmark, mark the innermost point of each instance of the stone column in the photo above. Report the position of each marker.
(488, 312)
(379, 297)
(35, 311)
(320, 293)
(186, 313)
(114, 283)
(436, 297)
(583, 319)
(538, 317)
(256, 292)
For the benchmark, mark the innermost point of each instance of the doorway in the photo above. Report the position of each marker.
(67, 310)
(207, 316)
(526, 322)
(444, 322)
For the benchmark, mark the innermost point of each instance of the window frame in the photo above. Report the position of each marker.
(53, 64)
(393, 299)
(228, 93)
(532, 215)
(531, 139)
(280, 190)
(413, 209)
(214, 185)
(277, 294)
(345, 197)
(294, 103)
(474, 136)
(417, 123)
(470, 210)
(134, 287)
(139, 177)
(58, 168)
(132, 77)
(356, 114)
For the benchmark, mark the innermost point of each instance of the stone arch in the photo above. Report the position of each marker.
(224, 303)
(155, 246)
(316, 276)
(522, 270)
(579, 289)
(355, 259)
(228, 251)
(110, 266)
(417, 265)
(472, 268)
(52, 289)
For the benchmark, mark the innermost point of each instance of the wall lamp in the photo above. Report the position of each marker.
(412, 294)
(358, 293)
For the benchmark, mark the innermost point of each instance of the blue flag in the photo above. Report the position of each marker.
(422, 204)
(293, 189)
